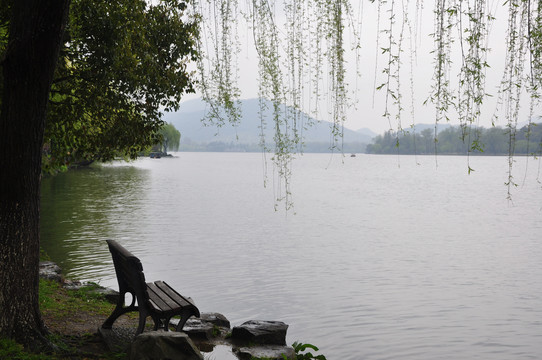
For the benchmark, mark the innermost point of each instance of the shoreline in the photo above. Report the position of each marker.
(91, 304)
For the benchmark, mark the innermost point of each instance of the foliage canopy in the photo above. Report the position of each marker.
(123, 62)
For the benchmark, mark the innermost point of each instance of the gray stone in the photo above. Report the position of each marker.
(51, 271)
(215, 319)
(271, 352)
(207, 326)
(261, 332)
(163, 345)
(197, 329)
(72, 284)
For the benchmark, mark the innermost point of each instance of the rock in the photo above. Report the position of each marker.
(197, 329)
(207, 326)
(71, 284)
(50, 271)
(271, 352)
(215, 319)
(261, 332)
(163, 345)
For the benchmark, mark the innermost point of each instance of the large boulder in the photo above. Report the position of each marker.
(261, 332)
(154, 345)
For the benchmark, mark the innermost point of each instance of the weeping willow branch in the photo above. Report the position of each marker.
(473, 30)
(292, 57)
(217, 61)
(302, 65)
(441, 94)
(513, 80)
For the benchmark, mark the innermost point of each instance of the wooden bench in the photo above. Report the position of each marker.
(157, 299)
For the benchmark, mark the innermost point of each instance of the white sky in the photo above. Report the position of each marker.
(368, 111)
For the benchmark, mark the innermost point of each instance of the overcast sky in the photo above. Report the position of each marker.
(370, 106)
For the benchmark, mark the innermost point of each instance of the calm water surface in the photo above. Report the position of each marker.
(385, 258)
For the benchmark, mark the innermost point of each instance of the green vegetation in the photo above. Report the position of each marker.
(56, 301)
(300, 349)
(311, 62)
(171, 138)
(9, 349)
(61, 306)
(122, 63)
(460, 141)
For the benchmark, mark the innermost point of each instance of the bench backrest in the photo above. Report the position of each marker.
(129, 272)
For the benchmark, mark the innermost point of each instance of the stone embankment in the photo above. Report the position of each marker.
(252, 339)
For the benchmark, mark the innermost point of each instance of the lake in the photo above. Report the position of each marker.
(382, 257)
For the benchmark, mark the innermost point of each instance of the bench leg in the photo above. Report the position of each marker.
(185, 315)
(142, 321)
(160, 323)
(108, 323)
(119, 310)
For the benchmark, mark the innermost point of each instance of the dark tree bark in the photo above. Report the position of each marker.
(35, 33)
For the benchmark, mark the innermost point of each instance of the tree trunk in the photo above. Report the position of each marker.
(35, 34)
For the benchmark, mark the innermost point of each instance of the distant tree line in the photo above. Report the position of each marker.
(222, 146)
(458, 140)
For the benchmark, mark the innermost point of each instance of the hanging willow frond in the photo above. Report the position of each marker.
(300, 62)
(217, 62)
(303, 68)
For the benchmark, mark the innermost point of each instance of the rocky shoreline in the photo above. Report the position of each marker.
(212, 331)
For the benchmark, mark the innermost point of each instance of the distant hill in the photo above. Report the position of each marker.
(367, 132)
(195, 136)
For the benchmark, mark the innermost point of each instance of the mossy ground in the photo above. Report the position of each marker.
(73, 318)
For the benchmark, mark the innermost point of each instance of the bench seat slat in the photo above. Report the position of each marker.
(172, 294)
(156, 295)
(168, 295)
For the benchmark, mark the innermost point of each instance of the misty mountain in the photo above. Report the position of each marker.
(188, 120)
(367, 132)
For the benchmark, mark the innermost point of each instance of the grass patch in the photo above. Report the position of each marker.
(65, 310)
(73, 317)
(55, 301)
(9, 349)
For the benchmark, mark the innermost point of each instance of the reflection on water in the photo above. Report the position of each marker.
(82, 208)
(379, 262)
(220, 352)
